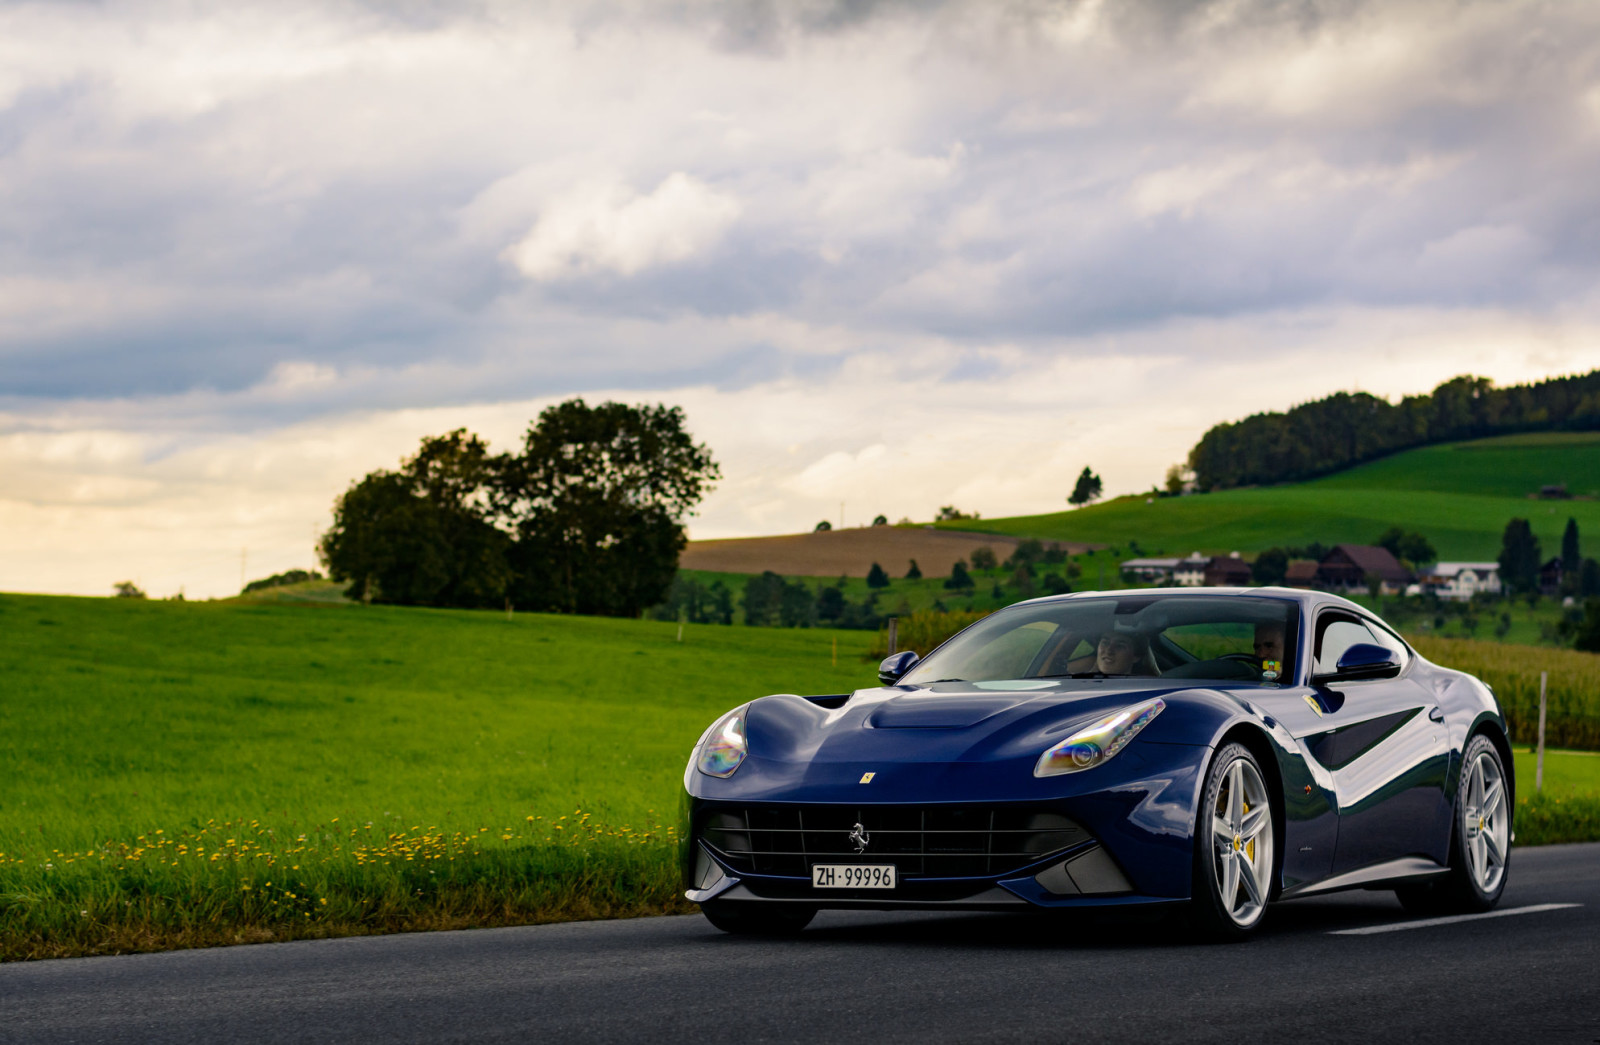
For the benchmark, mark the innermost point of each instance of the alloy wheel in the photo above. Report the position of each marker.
(1241, 835)
(1484, 817)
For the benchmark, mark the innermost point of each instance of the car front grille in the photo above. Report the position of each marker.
(934, 841)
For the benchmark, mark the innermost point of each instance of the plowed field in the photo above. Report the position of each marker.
(850, 553)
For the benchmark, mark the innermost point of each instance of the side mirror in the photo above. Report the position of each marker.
(1364, 660)
(893, 667)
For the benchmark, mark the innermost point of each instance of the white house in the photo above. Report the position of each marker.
(1151, 569)
(1191, 572)
(1461, 580)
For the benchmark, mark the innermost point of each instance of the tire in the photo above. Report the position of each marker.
(757, 919)
(1480, 840)
(1233, 847)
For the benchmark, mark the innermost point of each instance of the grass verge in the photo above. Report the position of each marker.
(228, 883)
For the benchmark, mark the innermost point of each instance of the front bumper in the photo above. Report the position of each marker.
(1136, 812)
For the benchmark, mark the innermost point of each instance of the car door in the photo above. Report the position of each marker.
(1387, 753)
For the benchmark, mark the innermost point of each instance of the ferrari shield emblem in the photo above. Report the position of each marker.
(866, 778)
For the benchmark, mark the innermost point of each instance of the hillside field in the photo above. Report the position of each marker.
(1459, 495)
(186, 774)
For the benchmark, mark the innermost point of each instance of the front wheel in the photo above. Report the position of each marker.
(757, 919)
(1233, 847)
(1480, 840)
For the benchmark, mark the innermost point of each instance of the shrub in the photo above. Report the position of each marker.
(960, 579)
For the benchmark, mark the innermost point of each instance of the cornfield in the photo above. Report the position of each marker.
(922, 632)
(1572, 713)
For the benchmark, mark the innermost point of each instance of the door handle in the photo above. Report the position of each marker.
(1436, 714)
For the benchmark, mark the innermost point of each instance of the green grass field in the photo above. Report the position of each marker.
(1459, 495)
(186, 774)
(424, 756)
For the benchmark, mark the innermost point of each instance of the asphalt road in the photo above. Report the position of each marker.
(1520, 977)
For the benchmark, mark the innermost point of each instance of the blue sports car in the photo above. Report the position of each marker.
(1207, 749)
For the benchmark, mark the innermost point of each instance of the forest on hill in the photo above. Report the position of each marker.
(1350, 428)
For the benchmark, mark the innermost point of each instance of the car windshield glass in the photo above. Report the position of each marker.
(1217, 637)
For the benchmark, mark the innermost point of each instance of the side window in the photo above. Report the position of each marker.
(1334, 637)
(1392, 642)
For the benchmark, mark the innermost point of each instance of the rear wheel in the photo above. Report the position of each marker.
(1233, 847)
(757, 919)
(1480, 840)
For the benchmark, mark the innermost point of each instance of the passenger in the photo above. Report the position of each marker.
(1124, 653)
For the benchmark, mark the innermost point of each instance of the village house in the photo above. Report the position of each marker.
(1302, 574)
(1550, 577)
(1229, 571)
(1460, 580)
(1348, 566)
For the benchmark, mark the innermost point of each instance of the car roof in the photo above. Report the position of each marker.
(1301, 595)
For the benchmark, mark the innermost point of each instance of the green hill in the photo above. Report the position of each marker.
(1459, 495)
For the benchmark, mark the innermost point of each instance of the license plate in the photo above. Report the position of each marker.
(852, 876)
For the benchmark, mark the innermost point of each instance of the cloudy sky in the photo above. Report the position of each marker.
(889, 256)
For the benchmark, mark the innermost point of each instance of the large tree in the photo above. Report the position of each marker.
(1519, 557)
(1086, 489)
(597, 499)
(422, 535)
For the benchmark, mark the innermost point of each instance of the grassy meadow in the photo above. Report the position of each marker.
(189, 774)
(1459, 495)
(193, 773)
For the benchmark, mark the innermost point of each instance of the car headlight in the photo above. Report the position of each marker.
(724, 747)
(1097, 744)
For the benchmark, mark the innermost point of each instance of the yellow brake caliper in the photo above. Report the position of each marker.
(1250, 846)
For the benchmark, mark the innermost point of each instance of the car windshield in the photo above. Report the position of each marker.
(1217, 637)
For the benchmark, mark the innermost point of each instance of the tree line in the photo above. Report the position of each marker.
(1349, 428)
(587, 517)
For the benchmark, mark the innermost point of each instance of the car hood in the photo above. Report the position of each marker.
(965, 722)
(970, 742)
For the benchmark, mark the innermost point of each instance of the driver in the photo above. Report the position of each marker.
(1124, 653)
(1269, 640)
(1269, 648)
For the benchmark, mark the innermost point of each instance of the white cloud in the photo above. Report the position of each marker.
(610, 228)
